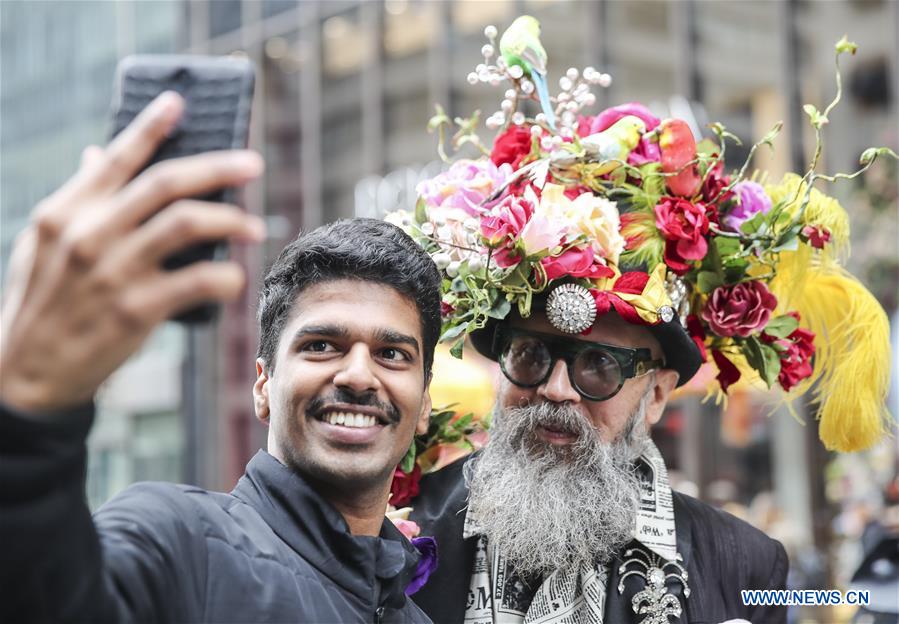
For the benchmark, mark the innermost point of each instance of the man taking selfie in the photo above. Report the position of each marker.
(349, 317)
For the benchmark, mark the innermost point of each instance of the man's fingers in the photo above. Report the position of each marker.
(175, 179)
(189, 222)
(128, 152)
(91, 156)
(172, 292)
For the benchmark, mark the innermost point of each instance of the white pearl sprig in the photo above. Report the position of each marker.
(575, 94)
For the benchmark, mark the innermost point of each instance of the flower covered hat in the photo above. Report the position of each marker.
(584, 215)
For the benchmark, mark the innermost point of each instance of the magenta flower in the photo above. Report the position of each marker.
(739, 310)
(750, 199)
(575, 263)
(501, 228)
(463, 187)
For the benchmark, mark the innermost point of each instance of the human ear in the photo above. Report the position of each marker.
(664, 383)
(424, 417)
(260, 393)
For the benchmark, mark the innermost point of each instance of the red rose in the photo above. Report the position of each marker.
(404, 487)
(728, 374)
(739, 310)
(512, 146)
(684, 226)
(575, 263)
(796, 359)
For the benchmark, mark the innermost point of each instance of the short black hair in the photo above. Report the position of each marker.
(361, 249)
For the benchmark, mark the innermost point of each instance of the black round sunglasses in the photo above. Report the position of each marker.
(596, 371)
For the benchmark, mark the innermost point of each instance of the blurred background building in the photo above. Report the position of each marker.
(344, 92)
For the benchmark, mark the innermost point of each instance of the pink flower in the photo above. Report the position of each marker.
(407, 527)
(684, 226)
(739, 310)
(646, 151)
(502, 226)
(575, 263)
(750, 199)
(463, 187)
(540, 234)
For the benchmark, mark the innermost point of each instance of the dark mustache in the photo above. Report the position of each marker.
(342, 395)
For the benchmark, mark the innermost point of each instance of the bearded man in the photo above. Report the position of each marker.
(567, 514)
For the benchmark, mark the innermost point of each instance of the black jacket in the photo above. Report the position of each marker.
(722, 555)
(270, 551)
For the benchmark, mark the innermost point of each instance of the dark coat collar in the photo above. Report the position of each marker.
(320, 535)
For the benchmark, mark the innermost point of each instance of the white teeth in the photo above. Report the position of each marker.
(350, 420)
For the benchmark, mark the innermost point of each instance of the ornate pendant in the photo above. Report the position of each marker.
(571, 308)
(654, 602)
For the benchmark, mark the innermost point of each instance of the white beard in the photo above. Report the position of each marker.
(547, 507)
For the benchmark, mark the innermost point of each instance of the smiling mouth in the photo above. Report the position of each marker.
(349, 419)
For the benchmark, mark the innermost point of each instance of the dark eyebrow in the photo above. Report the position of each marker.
(390, 336)
(381, 334)
(331, 331)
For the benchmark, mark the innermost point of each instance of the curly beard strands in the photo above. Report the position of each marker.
(548, 507)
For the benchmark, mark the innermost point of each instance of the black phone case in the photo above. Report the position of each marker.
(218, 93)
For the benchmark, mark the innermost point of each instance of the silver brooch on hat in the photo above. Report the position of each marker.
(571, 308)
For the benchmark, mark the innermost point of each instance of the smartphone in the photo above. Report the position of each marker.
(218, 93)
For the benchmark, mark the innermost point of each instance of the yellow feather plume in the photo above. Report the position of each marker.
(852, 332)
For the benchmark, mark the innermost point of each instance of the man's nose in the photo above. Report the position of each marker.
(357, 371)
(557, 388)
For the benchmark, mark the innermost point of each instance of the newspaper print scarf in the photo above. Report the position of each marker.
(578, 596)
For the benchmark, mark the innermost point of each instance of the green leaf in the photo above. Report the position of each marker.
(727, 246)
(815, 116)
(787, 243)
(735, 270)
(768, 139)
(456, 349)
(408, 463)
(421, 211)
(844, 45)
(500, 309)
(707, 281)
(782, 326)
(763, 358)
(872, 153)
(438, 119)
(452, 332)
(754, 225)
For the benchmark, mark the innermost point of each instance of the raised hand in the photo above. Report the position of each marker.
(85, 285)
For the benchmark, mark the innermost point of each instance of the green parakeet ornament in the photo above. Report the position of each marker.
(614, 144)
(520, 45)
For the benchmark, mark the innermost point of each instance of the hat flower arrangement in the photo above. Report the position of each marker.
(622, 211)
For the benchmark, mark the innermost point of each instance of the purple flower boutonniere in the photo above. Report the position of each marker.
(427, 547)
